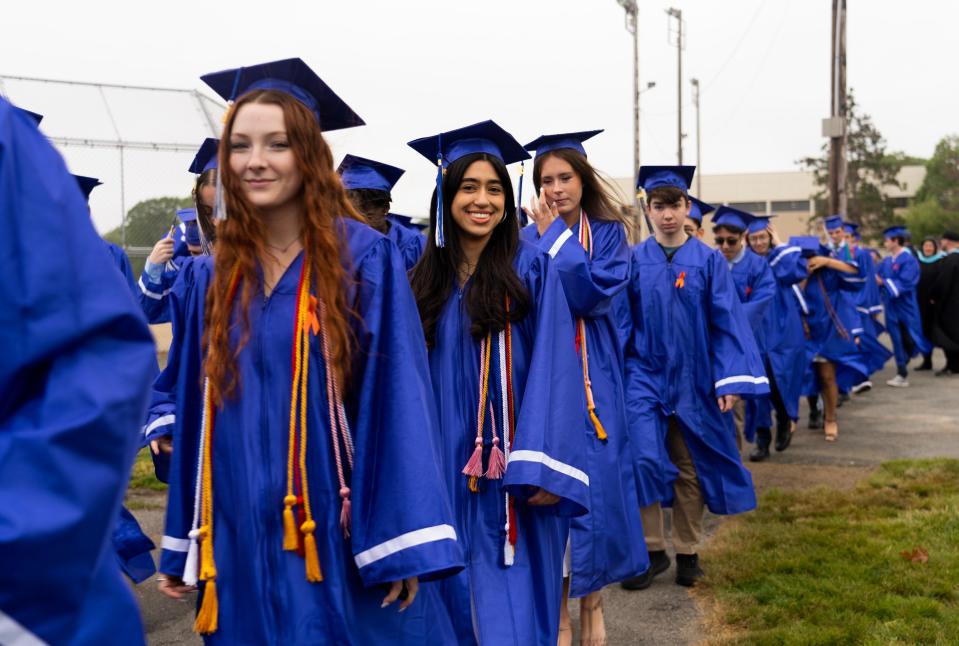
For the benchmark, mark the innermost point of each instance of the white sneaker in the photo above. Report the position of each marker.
(898, 382)
(865, 386)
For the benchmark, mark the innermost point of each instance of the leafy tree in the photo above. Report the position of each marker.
(872, 170)
(149, 220)
(937, 200)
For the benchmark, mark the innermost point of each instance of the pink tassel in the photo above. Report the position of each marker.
(497, 462)
(474, 467)
(345, 511)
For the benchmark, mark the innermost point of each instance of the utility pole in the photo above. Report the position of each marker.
(678, 15)
(632, 26)
(835, 127)
(699, 151)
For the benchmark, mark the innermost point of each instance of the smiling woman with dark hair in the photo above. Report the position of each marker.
(507, 386)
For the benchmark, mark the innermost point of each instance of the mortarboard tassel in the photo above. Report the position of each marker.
(440, 238)
(520, 213)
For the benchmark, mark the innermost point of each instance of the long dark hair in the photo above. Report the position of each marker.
(204, 213)
(599, 195)
(373, 204)
(434, 276)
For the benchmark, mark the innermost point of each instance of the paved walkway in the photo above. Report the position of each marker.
(886, 423)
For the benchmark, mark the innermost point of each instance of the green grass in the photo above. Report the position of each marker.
(144, 478)
(822, 566)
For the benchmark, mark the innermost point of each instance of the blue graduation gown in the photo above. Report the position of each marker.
(131, 545)
(869, 305)
(154, 294)
(408, 239)
(756, 288)
(122, 263)
(785, 349)
(607, 544)
(75, 364)
(900, 277)
(401, 520)
(489, 602)
(833, 326)
(691, 343)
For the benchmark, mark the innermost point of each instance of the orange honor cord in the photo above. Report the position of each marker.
(474, 466)
(586, 240)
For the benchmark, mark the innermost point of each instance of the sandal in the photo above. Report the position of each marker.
(832, 431)
(589, 635)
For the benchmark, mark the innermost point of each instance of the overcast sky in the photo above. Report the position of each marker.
(535, 66)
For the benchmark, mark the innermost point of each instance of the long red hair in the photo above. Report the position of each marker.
(240, 243)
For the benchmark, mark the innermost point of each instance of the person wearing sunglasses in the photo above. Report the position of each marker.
(755, 287)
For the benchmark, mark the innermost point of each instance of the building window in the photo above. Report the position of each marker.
(750, 207)
(790, 205)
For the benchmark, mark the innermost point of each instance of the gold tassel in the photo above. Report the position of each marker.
(206, 619)
(473, 484)
(313, 573)
(600, 431)
(291, 539)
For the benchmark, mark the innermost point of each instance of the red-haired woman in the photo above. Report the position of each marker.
(304, 493)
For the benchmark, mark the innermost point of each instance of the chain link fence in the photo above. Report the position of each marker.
(139, 141)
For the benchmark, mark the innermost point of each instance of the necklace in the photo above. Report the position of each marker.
(284, 249)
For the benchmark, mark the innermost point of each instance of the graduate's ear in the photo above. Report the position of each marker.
(688, 202)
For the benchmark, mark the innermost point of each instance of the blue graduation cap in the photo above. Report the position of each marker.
(896, 231)
(809, 245)
(833, 222)
(205, 157)
(291, 76)
(358, 173)
(186, 215)
(728, 216)
(33, 115)
(759, 223)
(571, 140)
(87, 184)
(651, 177)
(852, 228)
(698, 209)
(192, 234)
(446, 147)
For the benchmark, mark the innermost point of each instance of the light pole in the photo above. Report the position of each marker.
(678, 15)
(699, 153)
(632, 26)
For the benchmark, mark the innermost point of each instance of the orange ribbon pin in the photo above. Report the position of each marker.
(681, 281)
(313, 320)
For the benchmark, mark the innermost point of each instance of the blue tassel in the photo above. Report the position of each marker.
(520, 213)
(440, 238)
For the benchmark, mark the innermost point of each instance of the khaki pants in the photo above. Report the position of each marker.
(739, 417)
(687, 502)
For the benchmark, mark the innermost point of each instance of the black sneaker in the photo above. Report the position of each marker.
(688, 570)
(658, 563)
(945, 372)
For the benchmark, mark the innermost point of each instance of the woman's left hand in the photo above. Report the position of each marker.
(542, 498)
(396, 589)
(540, 212)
